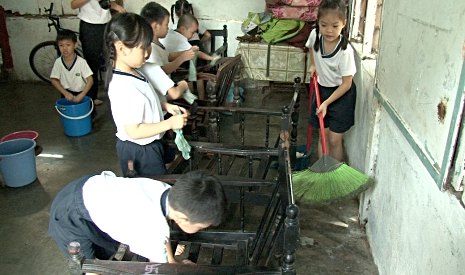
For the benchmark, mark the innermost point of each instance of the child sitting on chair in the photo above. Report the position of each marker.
(178, 40)
(157, 66)
(180, 8)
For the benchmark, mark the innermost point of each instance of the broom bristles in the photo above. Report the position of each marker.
(331, 187)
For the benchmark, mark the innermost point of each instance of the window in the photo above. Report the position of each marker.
(364, 23)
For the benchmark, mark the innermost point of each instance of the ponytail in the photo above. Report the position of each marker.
(316, 45)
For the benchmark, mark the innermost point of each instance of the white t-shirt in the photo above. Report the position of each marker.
(133, 101)
(175, 42)
(159, 55)
(331, 67)
(160, 81)
(92, 13)
(201, 30)
(141, 223)
(73, 78)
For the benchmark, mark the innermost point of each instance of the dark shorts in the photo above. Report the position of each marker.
(70, 221)
(148, 159)
(340, 114)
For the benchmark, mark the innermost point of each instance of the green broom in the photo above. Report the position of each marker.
(328, 181)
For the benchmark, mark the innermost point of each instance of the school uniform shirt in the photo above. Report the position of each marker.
(141, 223)
(74, 77)
(196, 36)
(92, 13)
(332, 66)
(175, 42)
(133, 101)
(159, 55)
(160, 81)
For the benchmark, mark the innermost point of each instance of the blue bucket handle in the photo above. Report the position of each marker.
(78, 117)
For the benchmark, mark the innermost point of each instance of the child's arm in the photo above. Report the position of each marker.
(116, 7)
(56, 83)
(340, 91)
(81, 95)
(176, 92)
(205, 37)
(312, 68)
(76, 4)
(177, 58)
(170, 253)
(205, 56)
(145, 130)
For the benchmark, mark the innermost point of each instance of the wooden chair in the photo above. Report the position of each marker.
(217, 88)
(239, 246)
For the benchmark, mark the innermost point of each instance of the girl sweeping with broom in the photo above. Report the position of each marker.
(333, 58)
(328, 180)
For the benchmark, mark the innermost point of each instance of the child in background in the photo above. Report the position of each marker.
(158, 17)
(177, 40)
(135, 106)
(71, 75)
(80, 212)
(154, 68)
(332, 58)
(180, 8)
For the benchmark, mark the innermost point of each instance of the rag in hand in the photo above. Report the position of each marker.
(182, 143)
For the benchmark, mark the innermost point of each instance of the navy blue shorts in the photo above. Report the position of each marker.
(149, 160)
(340, 114)
(70, 221)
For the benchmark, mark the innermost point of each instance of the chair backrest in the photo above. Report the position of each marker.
(223, 49)
(225, 78)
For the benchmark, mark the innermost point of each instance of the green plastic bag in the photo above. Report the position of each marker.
(278, 30)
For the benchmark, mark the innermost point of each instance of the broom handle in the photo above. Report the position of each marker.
(320, 116)
(309, 126)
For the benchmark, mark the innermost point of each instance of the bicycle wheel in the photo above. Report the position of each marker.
(42, 58)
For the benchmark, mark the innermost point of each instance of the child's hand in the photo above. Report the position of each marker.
(69, 96)
(322, 109)
(187, 55)
(311, 70)
(195, 48)
(77, 99)
(178, 121)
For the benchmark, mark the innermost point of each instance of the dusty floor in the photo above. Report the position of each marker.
(332, 240)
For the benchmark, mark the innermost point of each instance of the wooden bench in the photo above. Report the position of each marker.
(255, 193)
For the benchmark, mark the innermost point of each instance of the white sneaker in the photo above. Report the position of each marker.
(97, 102)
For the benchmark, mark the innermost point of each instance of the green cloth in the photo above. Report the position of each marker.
(192, 68)
(182, 143)
(189, 96)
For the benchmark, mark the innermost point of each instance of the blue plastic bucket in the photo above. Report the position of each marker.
(18, 162)
(76, 117)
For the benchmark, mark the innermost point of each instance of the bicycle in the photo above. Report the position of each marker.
(44, 54)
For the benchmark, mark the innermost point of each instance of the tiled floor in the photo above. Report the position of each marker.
(339, 244)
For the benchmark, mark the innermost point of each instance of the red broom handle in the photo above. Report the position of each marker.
(320, 116)
(309, 127)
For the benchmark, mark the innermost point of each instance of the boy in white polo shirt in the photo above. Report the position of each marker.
(71, 75)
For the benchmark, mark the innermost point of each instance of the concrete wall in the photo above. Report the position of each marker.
(413, 226)
(27, 31)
